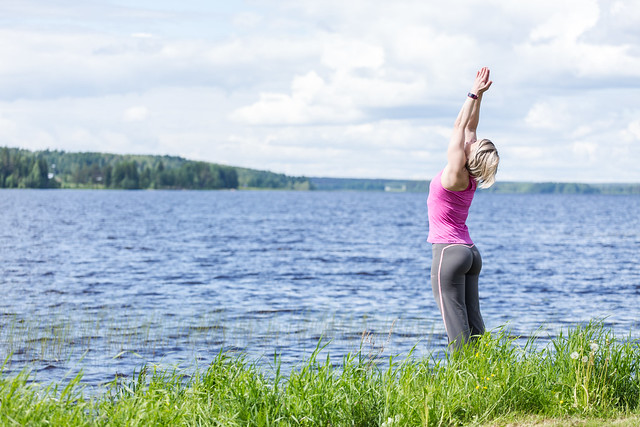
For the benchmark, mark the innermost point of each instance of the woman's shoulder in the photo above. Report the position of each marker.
(454, 180)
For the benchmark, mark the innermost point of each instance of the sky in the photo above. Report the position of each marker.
(357, 88)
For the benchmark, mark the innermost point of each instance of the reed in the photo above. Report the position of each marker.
(585, 374)
(61, 338)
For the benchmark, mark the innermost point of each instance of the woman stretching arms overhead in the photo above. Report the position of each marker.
(456, 260)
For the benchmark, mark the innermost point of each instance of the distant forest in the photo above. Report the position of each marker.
(416, 186)
(561, 188)
(59, 169)
(356, 184)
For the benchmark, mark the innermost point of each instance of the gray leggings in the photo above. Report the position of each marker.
(454, 279)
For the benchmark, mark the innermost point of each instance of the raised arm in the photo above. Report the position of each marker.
(455, 176)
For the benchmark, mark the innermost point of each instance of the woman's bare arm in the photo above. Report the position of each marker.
(455, 176)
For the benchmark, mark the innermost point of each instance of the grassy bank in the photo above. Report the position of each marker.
(586, 375)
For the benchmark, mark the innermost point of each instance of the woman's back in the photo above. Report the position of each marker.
(448, 211)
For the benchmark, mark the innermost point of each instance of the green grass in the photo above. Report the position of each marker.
(585, 376)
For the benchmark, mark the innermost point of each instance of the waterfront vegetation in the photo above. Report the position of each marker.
(58, 169)
(584, 375)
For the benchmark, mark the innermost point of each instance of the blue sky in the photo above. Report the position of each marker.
(327, 88)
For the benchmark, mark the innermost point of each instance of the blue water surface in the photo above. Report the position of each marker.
(107, 281)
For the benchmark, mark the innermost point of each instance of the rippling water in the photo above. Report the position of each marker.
(106, 281)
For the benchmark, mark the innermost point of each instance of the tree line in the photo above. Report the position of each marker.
(20, 169)
(54, 169)
(59, 169)
(129, 175)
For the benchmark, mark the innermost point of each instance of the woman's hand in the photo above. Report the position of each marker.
(482, 83)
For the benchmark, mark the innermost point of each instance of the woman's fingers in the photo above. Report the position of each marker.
(482, 75)
(482, 81)
(485, 74)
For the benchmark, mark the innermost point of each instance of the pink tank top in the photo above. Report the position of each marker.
(448, 211)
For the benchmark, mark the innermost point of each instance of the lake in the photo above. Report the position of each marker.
(106, 281)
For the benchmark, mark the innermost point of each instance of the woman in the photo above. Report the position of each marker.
(456, 261)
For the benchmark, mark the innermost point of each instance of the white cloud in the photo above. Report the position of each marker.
(585, 150)
(136, 114)
(568, 20)
(343, 54)
(311, 101)
(247, 20)
(552, 115)
(632, 131)
(7, 127)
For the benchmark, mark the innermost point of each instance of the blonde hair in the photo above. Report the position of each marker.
(483, 163)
